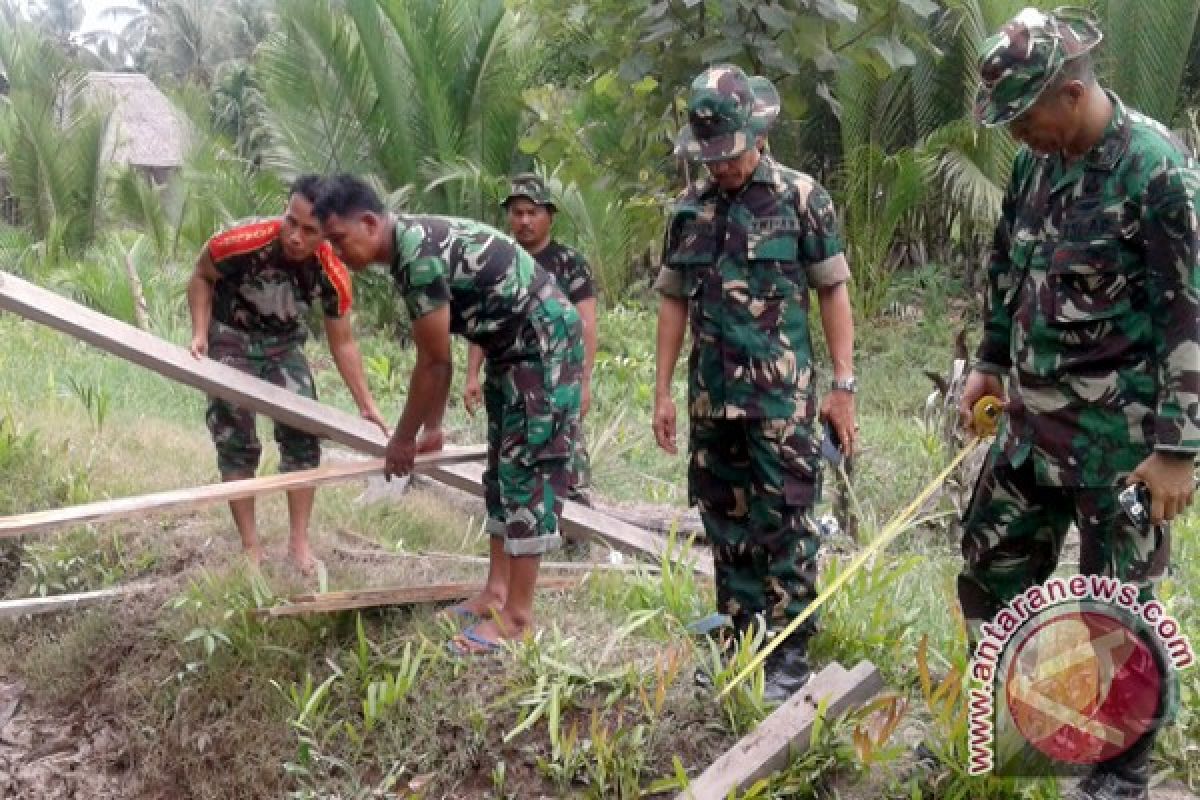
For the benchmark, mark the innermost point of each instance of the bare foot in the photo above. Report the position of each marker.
(303, 560)
(253, 556)
(500, 627)
(482, 605)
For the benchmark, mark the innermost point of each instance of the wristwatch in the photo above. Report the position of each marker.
(848, 385)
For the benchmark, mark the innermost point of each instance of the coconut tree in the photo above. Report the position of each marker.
(52, 140)
(420, 93)
(183, 41)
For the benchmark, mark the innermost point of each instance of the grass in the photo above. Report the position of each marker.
(211, 702)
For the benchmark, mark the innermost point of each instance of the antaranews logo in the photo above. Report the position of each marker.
(1070, 673)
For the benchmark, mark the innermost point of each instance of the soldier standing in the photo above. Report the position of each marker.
(531, 213)
(1092, 307)
(743, 248)
(460, 276)
(250, 291)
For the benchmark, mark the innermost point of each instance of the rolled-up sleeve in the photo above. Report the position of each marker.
(824, 251)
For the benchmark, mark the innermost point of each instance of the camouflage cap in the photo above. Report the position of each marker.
(532, 188)
(727, 109)
(1018, 63)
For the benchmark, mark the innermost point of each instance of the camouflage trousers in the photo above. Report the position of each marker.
(532, 393)
(755, 482)
(278, 360)
(1013, 533)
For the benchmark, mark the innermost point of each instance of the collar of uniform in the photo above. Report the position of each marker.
(764, 173)
(1115, 142)
(400, 226)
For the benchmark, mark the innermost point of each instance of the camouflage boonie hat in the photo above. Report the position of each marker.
(532, 188)
(727, 109)
(1018, 63)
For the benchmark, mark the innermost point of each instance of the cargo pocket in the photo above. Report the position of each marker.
(559, 337)
(797, 450)
(802, 482)
(548, 429)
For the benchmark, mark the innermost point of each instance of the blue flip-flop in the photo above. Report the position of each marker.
(460, 614)
(485, 646)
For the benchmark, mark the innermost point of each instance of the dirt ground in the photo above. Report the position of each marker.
(79, 744)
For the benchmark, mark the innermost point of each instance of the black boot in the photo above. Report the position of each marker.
(1126, 777)
(786, 670)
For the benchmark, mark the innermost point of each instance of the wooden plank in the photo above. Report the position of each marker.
(368, 554)
(397, 596)
(189, 499)
(66, 602)
(580, 521)
(661, 520)
(787, 730)
(147, 350)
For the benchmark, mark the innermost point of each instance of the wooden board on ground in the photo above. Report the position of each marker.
(656, 519)
(147, 350)
(581, 521)
(189, 499)
(375, 554)
(399, 596)
(787, 730)
(66, 602)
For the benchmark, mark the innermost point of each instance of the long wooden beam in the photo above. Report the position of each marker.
(787, 730)
(147, 350)
(189, 499)
(580, 521)
(24, 606)
(38, 304)
(399, 596)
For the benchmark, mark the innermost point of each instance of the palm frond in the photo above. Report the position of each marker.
(317, 89)
(969, 166)
(1145, 52)
(140, 203)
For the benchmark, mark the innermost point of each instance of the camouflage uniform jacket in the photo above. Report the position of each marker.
(1093, 304)
(745, 264)
(487, 279)
(569, 268)
(261, 292)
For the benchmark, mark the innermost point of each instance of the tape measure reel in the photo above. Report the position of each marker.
(986, 415)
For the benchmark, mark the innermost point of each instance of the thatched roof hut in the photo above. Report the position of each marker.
(148, 131)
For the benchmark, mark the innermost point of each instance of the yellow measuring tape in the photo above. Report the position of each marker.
(985, 416)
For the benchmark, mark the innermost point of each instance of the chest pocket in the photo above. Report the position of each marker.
(694, 253)
(1086, 283)
(772, 256)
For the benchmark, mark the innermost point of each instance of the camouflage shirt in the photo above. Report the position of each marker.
(569, 268)
(745, 264)
(485, 277)
(262, 292)
(1093, 304)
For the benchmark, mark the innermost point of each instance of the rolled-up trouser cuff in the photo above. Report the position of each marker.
(494, 527)
(532, 546)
